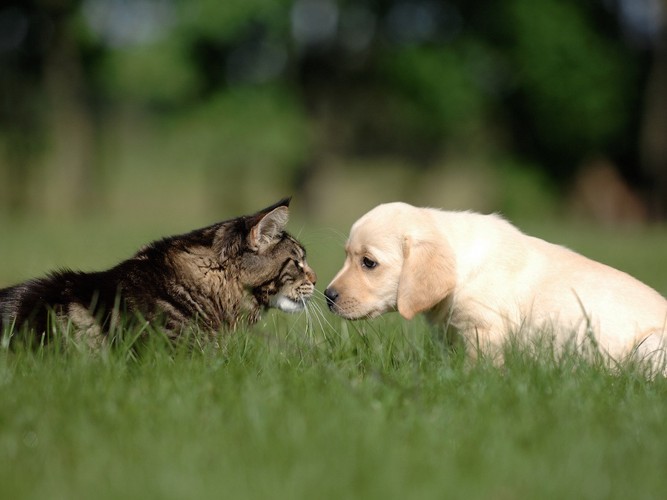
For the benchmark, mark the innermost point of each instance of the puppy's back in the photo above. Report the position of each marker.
(524, 277)
(620, 306)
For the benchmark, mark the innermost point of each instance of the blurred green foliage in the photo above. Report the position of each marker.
(158, 74)
(263, 96)
(227, 20)
(575, 81)
(438, 82)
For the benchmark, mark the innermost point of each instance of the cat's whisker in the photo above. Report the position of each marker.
(324, 297)
(316, 322)
(319, 293)
(321, 317)
(300, 232)
(310, 330)
(295, 324)
(332, 232)
(316, 316)
(312, 317)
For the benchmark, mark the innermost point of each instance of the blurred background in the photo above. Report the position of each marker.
(150, 117)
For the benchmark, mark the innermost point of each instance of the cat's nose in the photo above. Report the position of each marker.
(331, 294)
(310, 274)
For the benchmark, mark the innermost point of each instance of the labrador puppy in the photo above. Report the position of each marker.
(482, 277)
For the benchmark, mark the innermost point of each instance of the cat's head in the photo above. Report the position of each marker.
(271, 263)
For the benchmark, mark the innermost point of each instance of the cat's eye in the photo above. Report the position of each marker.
(368, 263)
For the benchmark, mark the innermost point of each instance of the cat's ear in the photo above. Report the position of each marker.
(267, 228)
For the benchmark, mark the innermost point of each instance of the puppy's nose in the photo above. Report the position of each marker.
(331, 296)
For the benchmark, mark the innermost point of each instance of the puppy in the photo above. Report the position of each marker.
(481, 276)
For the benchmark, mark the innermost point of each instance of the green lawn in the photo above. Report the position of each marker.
(314, 407)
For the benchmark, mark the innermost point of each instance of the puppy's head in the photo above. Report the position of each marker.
(395, 260)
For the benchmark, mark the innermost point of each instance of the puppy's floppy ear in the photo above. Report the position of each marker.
(427, 277)
(267, 227)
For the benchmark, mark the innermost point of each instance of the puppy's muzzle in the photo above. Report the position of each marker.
(331, 294)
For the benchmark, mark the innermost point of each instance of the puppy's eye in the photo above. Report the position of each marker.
(368, 263)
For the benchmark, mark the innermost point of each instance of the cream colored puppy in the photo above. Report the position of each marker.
(482, 276)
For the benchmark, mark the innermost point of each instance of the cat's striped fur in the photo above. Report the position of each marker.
(219, 277)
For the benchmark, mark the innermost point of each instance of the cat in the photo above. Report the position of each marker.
(218, 277)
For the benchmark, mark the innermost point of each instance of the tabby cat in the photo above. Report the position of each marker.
(218, 276)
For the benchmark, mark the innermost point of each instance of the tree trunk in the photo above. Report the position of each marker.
(653, 140)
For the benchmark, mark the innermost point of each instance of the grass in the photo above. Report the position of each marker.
(295, 408)
(373, 410)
